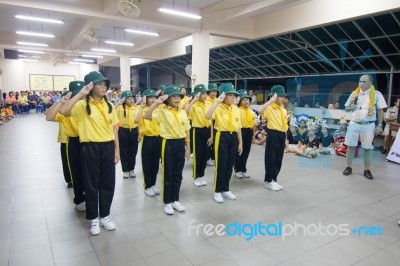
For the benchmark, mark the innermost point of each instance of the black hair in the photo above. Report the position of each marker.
(123, 106)
(395, 99)
(89, 111)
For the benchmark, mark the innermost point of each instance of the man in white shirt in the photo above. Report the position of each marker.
(364, 104)
(253, 97)
(390, 116)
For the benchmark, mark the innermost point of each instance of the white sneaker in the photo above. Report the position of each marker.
(95, 227)
(126, 175)
(239, 175)
(168, 209)
(132, 174)
(210, 162)
(149, 192)
(156, 190)
(203, 181)
(271, 186)
(191, 155)
(246, 175)
(107, 224)
(178, 206)
(81, 207)
(218, 197)
(228, 195)
(277, 185)
(197, 182)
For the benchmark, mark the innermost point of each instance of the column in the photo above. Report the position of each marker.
(200, 58)
(125, 70)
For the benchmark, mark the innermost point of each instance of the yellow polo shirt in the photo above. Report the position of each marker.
(70, 124)
(23, 100)
(227, 118)
(198, 115)
(99, 125)
(275, 119)
(127, 120)
(210, 101)
(183, 101)
(148, 128)
(62, 138)
(247, 116)
(173, 124)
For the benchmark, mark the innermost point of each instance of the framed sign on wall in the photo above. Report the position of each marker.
(61, 82)
(41, 82)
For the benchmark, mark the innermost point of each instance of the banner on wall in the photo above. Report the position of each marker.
(40, 82)
(394, 153)
(61, 82)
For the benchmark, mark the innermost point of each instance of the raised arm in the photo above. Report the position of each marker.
(263, 107)
(140, 113)
(211, 110)
(189, 106)
(53, 110)
(67, 107)
(160, 100)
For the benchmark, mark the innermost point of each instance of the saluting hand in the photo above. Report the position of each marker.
(161, 99)
(86, 90)
(197, 97)
(274, 97)
(143, 102)
(221, 98)
(121, 101)
(65, 98)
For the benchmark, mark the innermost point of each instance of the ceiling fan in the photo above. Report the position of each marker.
(129, 8)
(90, 35)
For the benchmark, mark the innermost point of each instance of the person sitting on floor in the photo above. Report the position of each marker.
(327, 142)
(339, 137)
(309, 146)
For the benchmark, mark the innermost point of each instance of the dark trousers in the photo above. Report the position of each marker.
(274, 149)
(200, 150)
(75, 167)
(151, 153)
(173, 161)
(241, 160)
(99, 177)
(226, 148)
(128, 146)
(64, 160)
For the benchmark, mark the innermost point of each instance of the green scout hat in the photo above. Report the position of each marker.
(279, 90)
(126, 94)
(213, 87)
(181, 86)
(96, 77)
(161, 87)
(243, 94)
(172, 90)
(227, 88)
(65, 93)
(150, 93)
(199, 88)
(76, 86)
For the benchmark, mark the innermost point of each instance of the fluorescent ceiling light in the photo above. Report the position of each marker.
(37, 34)
(103, 50)
(29, 60)
(36, 56)
(22, 56)
(31, 52)
(178, 13)
(49, 20)
(33, 44)
(119, 43)
(91, 56)
(143, 32)
(83, 60)
(76, 63)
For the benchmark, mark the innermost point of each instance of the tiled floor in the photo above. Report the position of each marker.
(39, 226)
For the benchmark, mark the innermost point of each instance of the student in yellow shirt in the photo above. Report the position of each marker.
(248, 118)
(98, 135)
(185, 99)
(228, 139)
(211, 99)
(175, 146)
(128, 133)
(201, 134)
(150, 144)
(73, 146)
(276, 115)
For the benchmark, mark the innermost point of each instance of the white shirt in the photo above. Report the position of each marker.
(362, 103)
(392, 112)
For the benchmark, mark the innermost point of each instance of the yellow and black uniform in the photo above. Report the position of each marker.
(210, 101)
(96, 121)
(227, 124)
(173, 127)
(151, 149)
(183, 102)
(73, 147)
(276, 136)
(128, 136)
(247, 117)
(62, 139)
(200, 135)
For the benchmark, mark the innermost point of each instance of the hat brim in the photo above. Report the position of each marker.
(231, 92)
(243, 97)
(151, 95)
(100, 80)
(278, 94)
(175, 93)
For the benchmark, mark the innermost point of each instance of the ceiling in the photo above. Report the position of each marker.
(364, 44)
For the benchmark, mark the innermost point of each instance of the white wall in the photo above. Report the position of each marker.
(16, 73)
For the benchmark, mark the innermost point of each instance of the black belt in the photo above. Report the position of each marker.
(364, 122)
